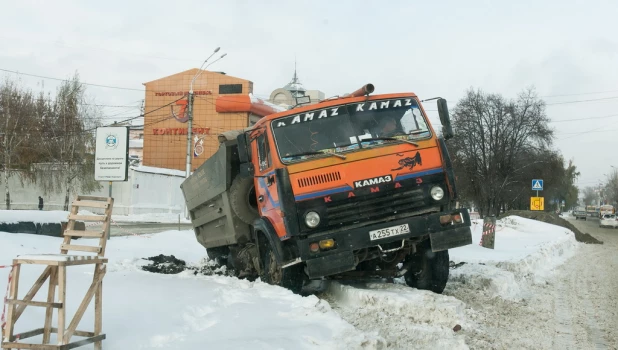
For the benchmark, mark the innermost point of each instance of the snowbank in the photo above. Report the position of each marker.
(525, 251)
(147, 311)
(35, 216)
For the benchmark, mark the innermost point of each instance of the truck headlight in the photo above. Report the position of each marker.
(312, 219)
(437, 193)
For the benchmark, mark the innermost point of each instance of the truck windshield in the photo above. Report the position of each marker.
(347, 128)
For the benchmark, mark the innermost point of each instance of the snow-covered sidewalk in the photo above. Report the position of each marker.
(144, 310)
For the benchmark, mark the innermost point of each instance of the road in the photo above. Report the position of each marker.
(586, 304)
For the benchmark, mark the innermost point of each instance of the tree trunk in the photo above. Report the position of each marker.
(7, 162)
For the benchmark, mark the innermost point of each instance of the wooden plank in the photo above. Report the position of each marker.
(92, 198)
(83, 342)
(51, 294)
(32, 292)
(97, 260)
(91, 204)
(34, 303)
(62, 297)
(81, 248)
(70, 227)
(77, 217)
(38, 262)
(30, 346)
(76, 333)
(29, 334)
(106, 226)
(78, 233)
(98, 311)
(12, 314)
(98, 276)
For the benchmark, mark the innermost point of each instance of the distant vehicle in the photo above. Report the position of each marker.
(609, 220)
(606, 209)
(592, 211)
(579, 213)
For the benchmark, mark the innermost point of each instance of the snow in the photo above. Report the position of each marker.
(163, 171)
(526, 251)
(143, 310)
(35, 216)
(136, 143)
(255, 99)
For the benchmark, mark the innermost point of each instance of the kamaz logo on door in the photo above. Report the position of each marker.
(373, 181)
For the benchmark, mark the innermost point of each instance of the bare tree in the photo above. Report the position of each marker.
(67, 162)
(590, 196)
(611, 188)
(494, 140)
(16, 108)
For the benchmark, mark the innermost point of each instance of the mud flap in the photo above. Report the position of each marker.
(331, 264)
(444, 240)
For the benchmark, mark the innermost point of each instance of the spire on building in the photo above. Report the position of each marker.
(295, 87)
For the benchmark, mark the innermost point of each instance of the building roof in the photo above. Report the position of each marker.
(191, 71)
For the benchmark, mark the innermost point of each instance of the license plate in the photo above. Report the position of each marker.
(389, 232)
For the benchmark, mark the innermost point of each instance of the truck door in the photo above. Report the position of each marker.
(266, 186)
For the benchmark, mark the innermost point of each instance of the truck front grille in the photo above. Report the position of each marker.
(364, 208)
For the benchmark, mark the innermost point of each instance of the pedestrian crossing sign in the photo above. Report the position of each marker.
(537, 185)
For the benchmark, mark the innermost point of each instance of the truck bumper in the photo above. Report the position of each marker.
(341, 258)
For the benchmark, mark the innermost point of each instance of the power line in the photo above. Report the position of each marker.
(58, 79)
(580, 101)
(588, 118)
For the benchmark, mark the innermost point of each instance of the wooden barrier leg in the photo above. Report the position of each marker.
(10, 321)
(98, 311)
(62, 296)
(51, 295)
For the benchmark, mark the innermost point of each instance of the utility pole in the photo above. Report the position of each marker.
(190, 116)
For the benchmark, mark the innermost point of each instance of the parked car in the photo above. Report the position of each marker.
(609, 220)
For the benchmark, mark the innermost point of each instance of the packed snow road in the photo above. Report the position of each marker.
(586, 291)
(563, 297)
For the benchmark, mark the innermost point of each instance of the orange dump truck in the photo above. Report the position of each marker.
(360, 186)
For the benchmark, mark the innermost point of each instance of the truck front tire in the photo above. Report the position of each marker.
(243, 200)
(290, 277)
(430, 269)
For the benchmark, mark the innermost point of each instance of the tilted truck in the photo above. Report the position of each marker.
(359, 186)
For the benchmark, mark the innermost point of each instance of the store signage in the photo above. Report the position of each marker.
(183, 93)
(178, 131)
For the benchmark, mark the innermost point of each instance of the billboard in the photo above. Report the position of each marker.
(112, 153)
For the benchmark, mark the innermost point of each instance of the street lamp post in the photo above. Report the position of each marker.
(190, 115)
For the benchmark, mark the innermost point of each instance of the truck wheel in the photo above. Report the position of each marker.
(243, 200)
(429, 270)
(290, 278)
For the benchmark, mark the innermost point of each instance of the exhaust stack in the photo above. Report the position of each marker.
(365, 90)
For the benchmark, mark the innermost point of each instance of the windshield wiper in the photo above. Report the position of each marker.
(389, 139)
(309, 153)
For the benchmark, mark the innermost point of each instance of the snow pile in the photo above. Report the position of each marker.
(35, 216)
(143, 310)
(526, 251)
(408, 318)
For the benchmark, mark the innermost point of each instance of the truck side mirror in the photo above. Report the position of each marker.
(445, 119)
(244, 153)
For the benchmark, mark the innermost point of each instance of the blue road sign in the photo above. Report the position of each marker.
(537, 185)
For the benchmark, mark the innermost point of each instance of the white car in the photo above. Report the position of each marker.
(609, 220)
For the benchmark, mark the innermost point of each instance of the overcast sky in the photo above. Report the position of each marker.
(566, 48)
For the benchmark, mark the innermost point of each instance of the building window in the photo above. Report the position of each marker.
(230, 89)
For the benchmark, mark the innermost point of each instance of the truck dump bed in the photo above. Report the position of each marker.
(206, 194)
